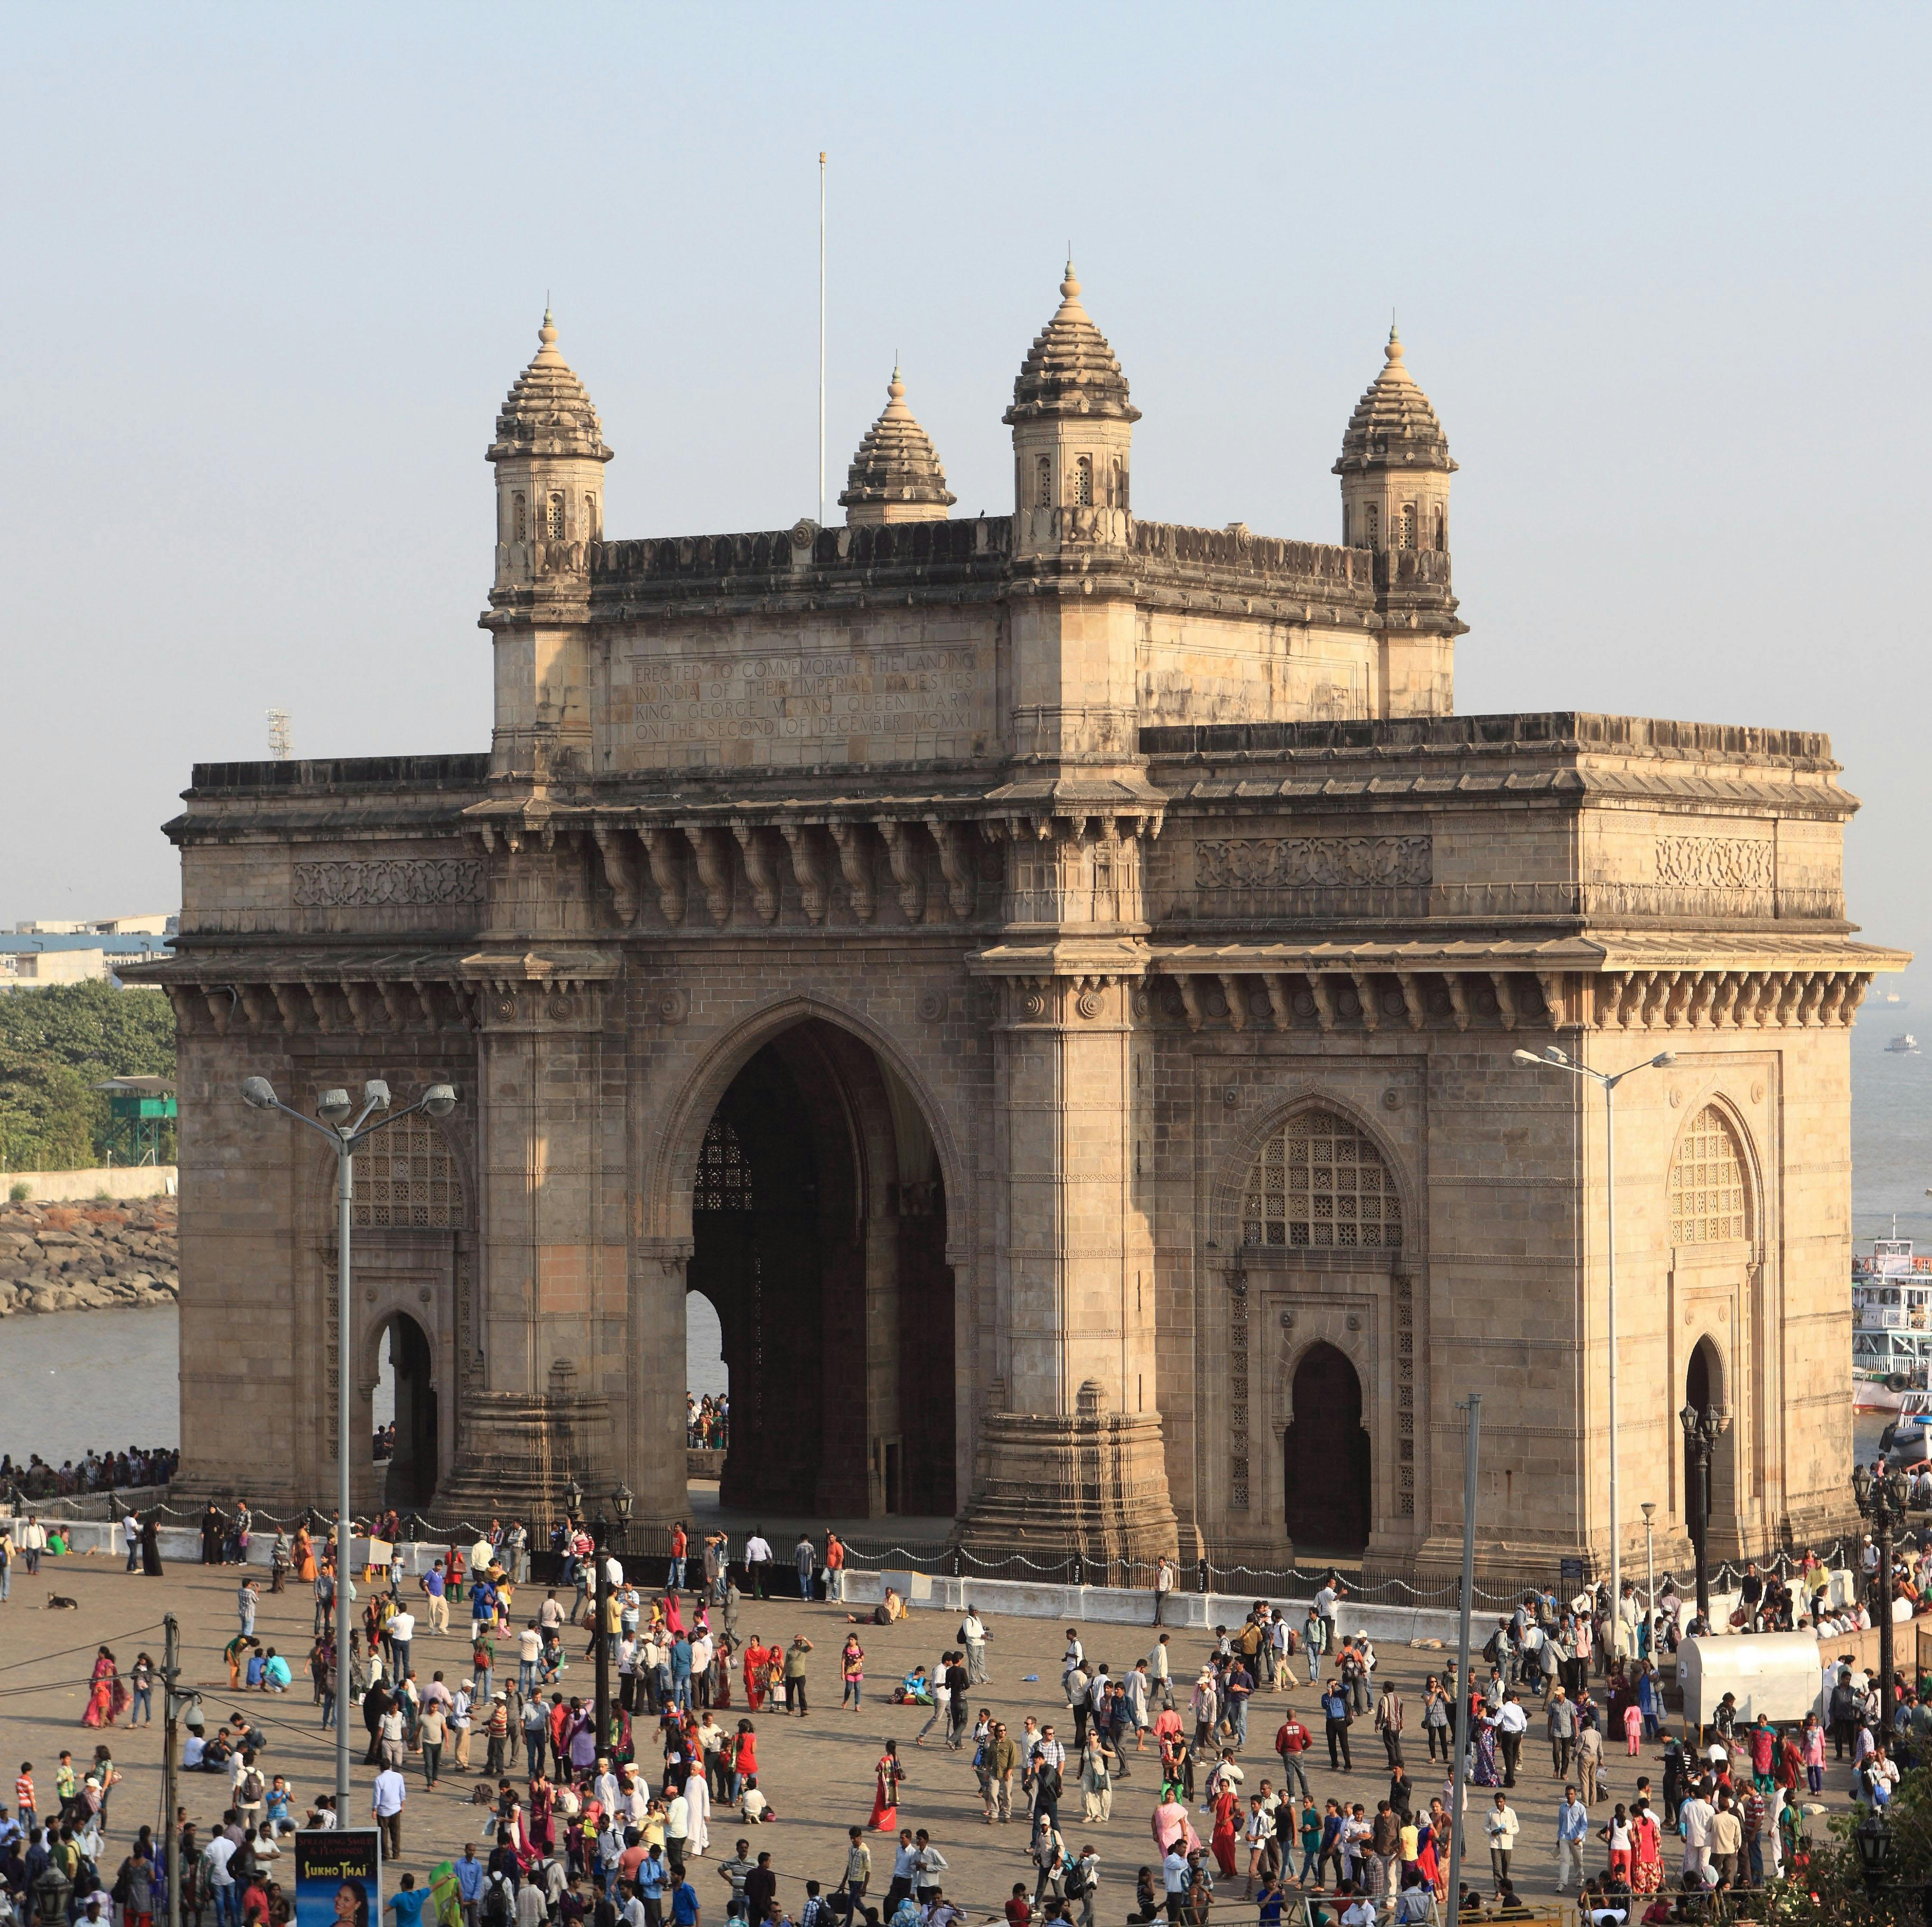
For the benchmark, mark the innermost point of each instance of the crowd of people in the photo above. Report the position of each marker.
(707, 1421)
(577, 1824)
(96, 1472)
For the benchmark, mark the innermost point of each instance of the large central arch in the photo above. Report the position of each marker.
(818, 1225)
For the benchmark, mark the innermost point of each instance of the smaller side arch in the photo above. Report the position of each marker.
(1326, 1484)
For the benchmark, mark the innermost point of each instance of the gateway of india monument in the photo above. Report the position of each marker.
(1050, 981)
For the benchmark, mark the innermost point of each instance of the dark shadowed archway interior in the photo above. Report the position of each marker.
(818, 1222)
(411, 1478)
(1703, 1392)
(1327, 1468)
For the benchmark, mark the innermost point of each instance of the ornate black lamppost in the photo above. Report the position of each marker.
(1701, 1431)
(1882, 1500)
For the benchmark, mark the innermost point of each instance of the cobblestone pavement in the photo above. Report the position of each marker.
(818, 1772)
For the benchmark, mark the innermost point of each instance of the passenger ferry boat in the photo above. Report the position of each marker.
(1904, 1045)
(1891, 1329)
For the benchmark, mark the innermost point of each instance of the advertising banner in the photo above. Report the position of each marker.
(338, 1877)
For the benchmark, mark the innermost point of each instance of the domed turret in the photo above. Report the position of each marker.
(896, 476)
(549, 454)
(1072, 429)
(1394, 464)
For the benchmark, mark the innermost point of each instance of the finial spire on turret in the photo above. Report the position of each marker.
(1395, 462)
(896, 476)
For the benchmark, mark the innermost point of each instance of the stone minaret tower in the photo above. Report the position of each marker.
(549, 455)
(896, 476)
(1073, 432)
(1395, 465)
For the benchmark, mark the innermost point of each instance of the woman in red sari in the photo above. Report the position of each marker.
(1646, 1852)
(754, 1673)
(1227, 1813)
(107, 1697)
(1426, 1857)
(888, 1773)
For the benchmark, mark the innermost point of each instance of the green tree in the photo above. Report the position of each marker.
(55, 1044)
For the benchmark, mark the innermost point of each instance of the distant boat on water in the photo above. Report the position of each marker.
(1904, 1045)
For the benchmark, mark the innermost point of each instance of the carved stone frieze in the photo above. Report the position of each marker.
(1715, 863)
(1306, 863)
(383, 882)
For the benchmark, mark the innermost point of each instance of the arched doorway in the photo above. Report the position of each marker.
(1704, 1392)
(408, 1374)
(818, 1230)
(1327, 1470)
(707, 1378)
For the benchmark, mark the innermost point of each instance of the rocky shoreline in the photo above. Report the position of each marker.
(87, 1257)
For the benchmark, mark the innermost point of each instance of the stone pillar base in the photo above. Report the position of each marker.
(517, 1454)
(1095, 1483)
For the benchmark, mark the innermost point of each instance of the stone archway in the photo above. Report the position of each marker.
(1703, 1392)
(818, 1233)
(1327, 1509)
(410, 1480)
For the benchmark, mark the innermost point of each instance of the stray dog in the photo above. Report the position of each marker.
(58, 1602)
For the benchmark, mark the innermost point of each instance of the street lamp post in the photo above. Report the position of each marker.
(1553, 1059)
(333, 1109)
(1701, 1431)
(1882, 1500)
(1648, 1509)
(600, 1533)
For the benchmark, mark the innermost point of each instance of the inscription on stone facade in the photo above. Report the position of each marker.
(860, 692)
(385, 883)
(1303, 862)
(1716, 863)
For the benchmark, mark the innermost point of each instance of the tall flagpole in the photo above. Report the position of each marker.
(821, 338)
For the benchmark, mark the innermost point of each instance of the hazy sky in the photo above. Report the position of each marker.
(1662, 270)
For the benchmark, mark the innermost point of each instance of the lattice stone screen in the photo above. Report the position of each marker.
(724, 1179)
(1320, 1183)
(407, 1180)
(1707, 1184)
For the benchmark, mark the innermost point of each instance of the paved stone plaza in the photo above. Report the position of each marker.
(817, 1772)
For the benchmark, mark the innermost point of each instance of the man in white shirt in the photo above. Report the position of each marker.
(1174, 1877)
(758, 1561)
(401, 1629)
(1693, 1822)
(219, 1852)
(973, 1636)
(1511, 1723)
(1163, 1681)
(1500, 1824)
(459, 1724)
(385, 1803)
(530, 1651)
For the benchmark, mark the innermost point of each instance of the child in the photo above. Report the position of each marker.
(27, 1811)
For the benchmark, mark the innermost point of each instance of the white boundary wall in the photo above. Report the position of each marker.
(81, 1187)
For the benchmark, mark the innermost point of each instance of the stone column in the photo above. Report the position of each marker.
(1070, 1456)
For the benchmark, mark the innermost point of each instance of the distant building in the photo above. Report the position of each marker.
(34, 970)
(156, 923)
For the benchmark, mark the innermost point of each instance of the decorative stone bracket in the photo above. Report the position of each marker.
(315, 1006)
(821, 852)
(1632, 1000)
(1345, 998)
